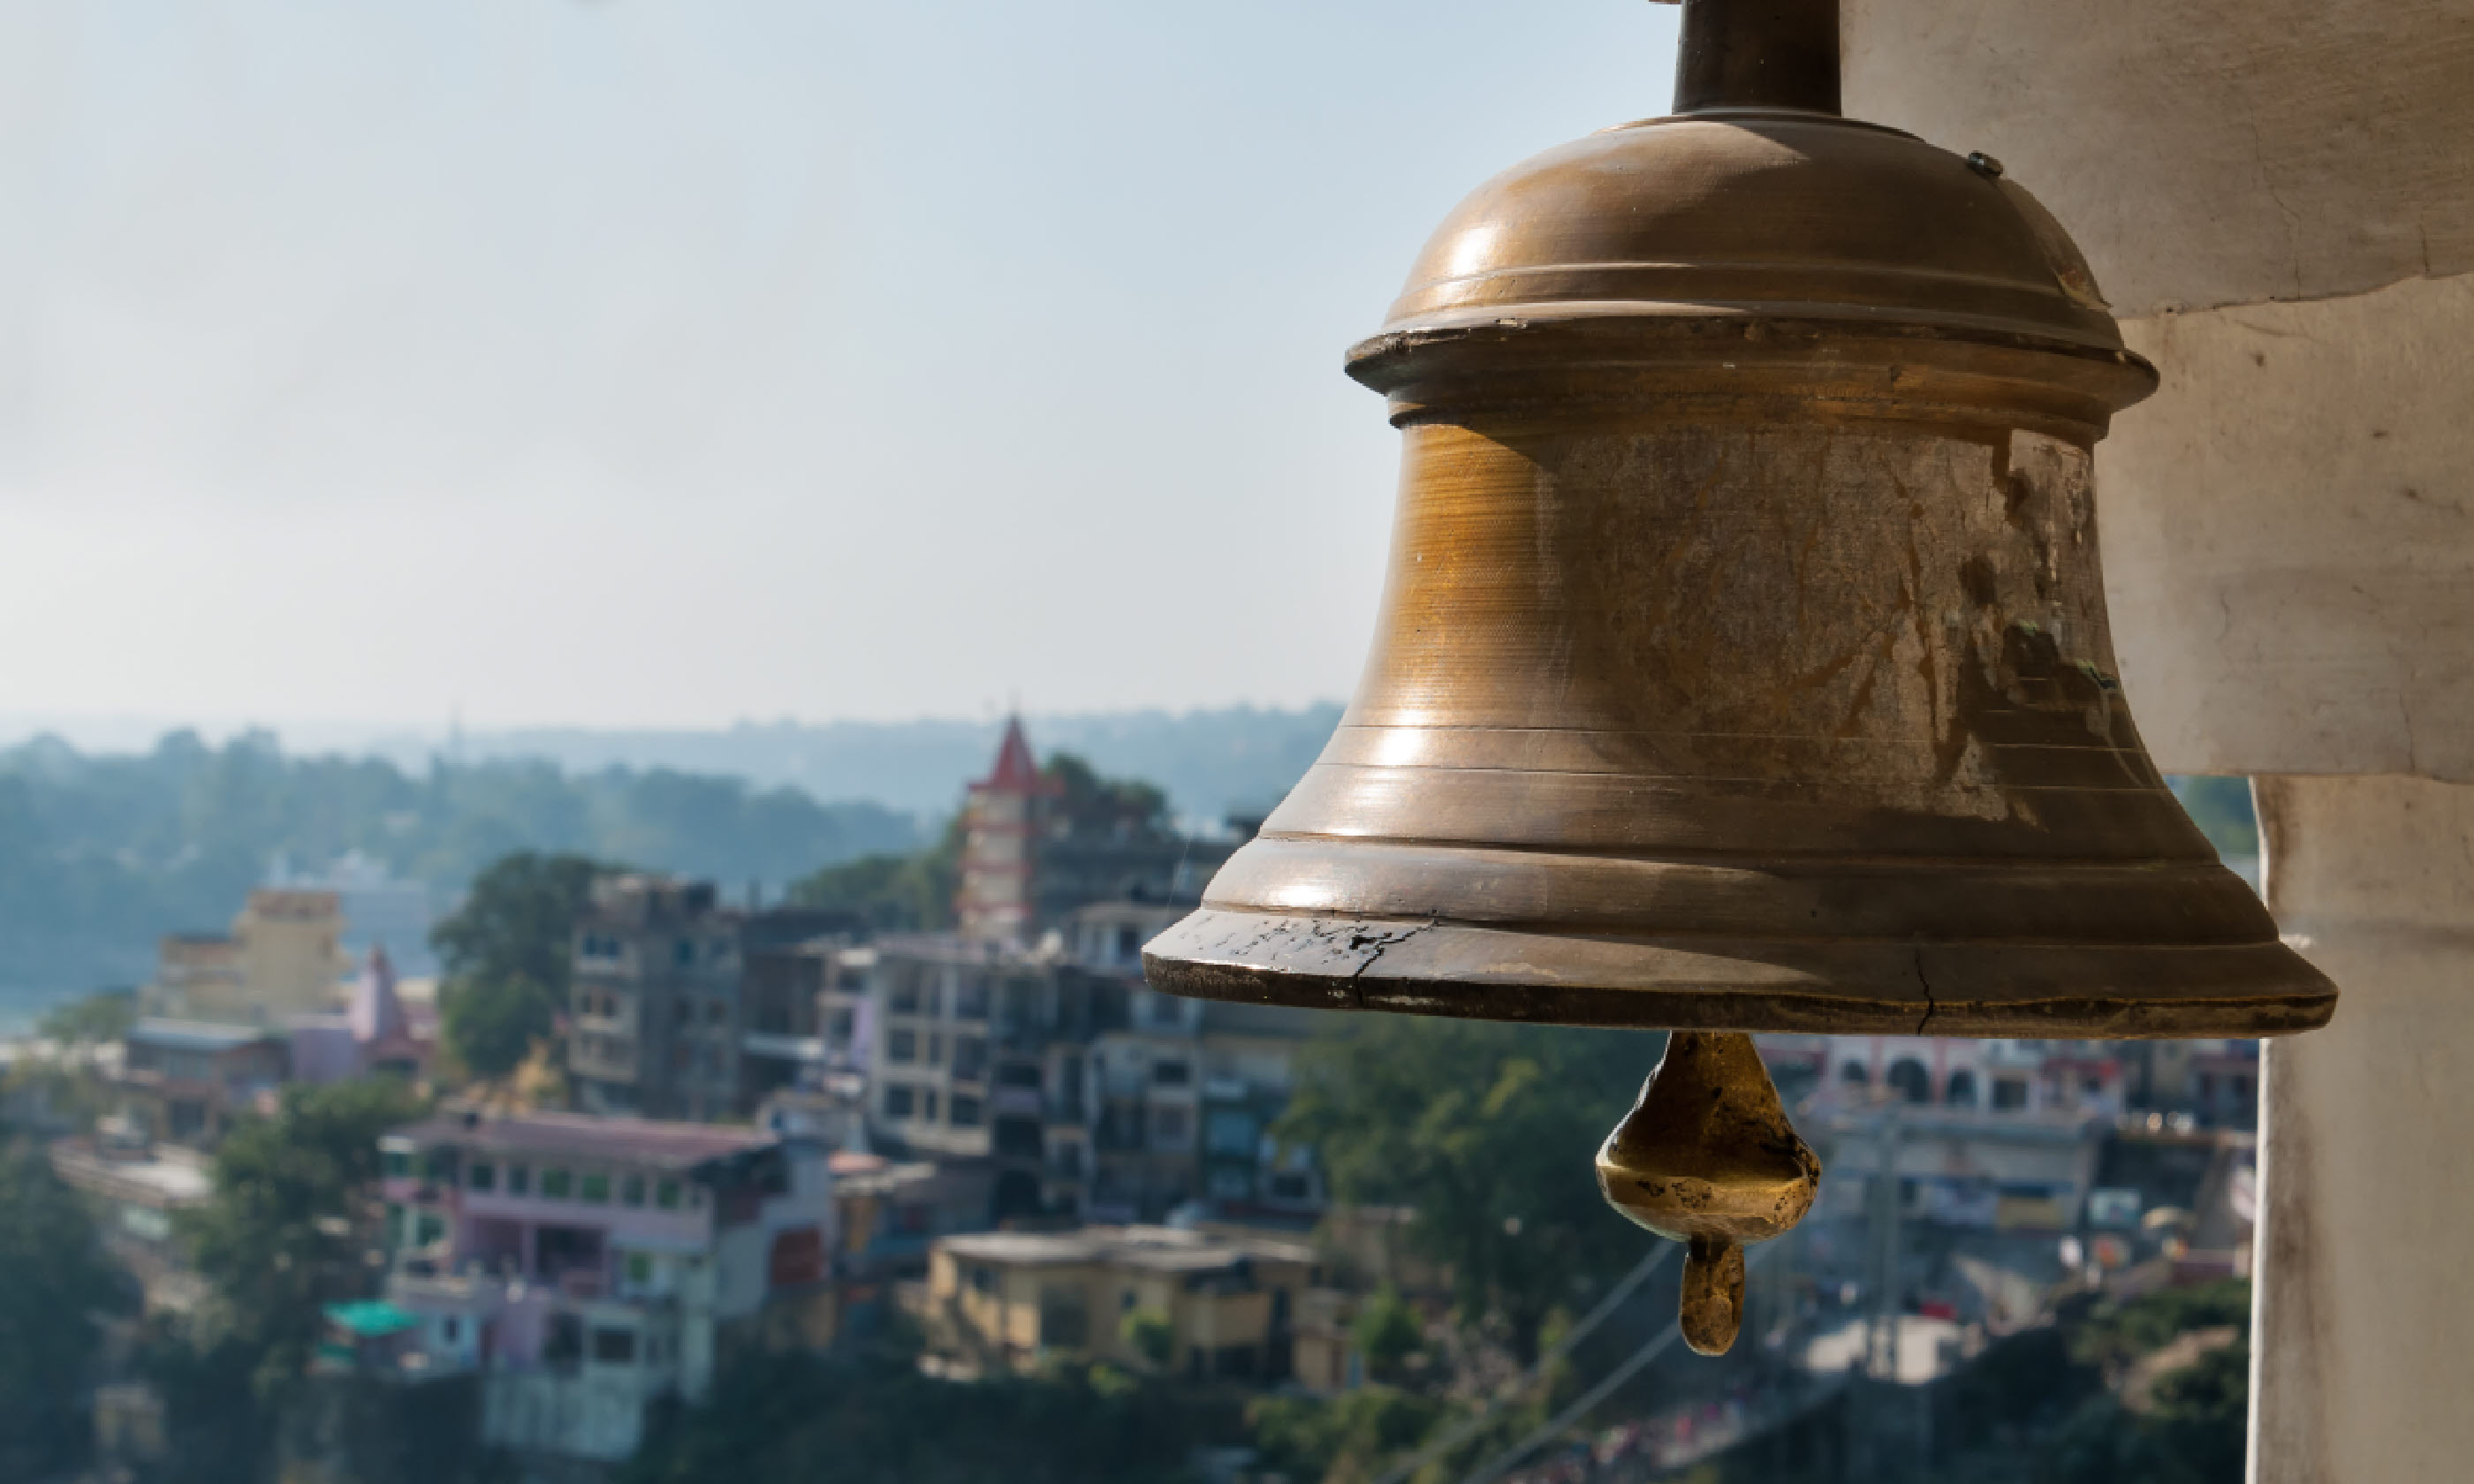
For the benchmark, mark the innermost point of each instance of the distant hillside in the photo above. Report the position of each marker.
(101, 854)
(1209, 762)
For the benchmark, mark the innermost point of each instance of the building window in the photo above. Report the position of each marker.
(631, 1190)
(519, 1179)
(1961, 1093)
(557, 1184)
(1853, 1074)
(1910, 1080)
(1231, 1184)
(717, 1013)
(2009, 1093)
(936, 1049)
(897, 1101)
(927, 1104)
(966, 1112)
(904, 1001)
(1229, 1132)
(1129, 944)
(395, 1164)
(595, 1187)
(984, 1279)
(902, 1046)
(666, 1195)
(1167, 1009)
(970, 1058)
(481, 1175)
(840, 1027)
(1168, 1126)
(450, 1328)
(971, 1000)
(1171, 1074)
(428, 1228)
(684, 953)
(614, 1347)
(640, 1268)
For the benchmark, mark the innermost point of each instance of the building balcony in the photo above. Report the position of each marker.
(779, 1047)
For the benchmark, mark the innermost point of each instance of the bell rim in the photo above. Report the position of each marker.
(1464, 972)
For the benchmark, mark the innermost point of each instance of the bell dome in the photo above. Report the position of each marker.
(1776, 212)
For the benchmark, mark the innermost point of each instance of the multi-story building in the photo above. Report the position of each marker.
(1201, 1305)
(785, 959)
(1990, 1134)
(2216, 1081)
(380, 909)
(686, 1008)
(1092, 1095)
(183, 1082)
(655, 1000)
(975, 1049)
(1185, 1090)
(284, 957)
(592, 1266)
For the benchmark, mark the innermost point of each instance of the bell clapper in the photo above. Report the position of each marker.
(1708, 1158)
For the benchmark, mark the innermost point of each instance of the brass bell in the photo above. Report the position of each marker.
(1743, 663)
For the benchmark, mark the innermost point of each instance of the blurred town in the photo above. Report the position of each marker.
(610, 1175)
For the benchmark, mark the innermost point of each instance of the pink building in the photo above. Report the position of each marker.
(592, 1265)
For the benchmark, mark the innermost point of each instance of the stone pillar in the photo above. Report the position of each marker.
(2359, 1345)
(2278, 198)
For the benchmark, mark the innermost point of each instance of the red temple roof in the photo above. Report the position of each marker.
(1016, 771)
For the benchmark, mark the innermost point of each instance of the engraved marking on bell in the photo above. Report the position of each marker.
(1708, 1158)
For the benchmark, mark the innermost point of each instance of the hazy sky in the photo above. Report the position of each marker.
(668, 362)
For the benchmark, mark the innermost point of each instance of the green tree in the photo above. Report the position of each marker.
(290, 1217)
(102, 854)
(1343, 1439)
(493, 1025)
(509, 952)
(519, 922)
(2201, 1415)
(1090, 803)
(1387, 1332)
(910, 892)
(2114, 1333)
(91, 1019)
(1485, 1129)
(876, 1419)
(1150, 1334)
(55, 1280)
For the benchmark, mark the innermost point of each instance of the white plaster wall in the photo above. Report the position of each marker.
(2287, 530)
(2368, 1170)
(2202, 152)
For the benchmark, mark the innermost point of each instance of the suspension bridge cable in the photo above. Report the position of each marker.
(1503, 1463)
(1469, 1427)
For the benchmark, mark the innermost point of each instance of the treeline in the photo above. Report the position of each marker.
(101, 854)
